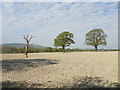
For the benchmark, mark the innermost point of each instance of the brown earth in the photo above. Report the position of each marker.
(51, 70)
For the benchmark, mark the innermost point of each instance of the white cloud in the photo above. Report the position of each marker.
(60, 0)
(0, 22)
(49, 19)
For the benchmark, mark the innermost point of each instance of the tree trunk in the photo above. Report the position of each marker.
(96, 48)
(26, 49)
(63, 49)
(57, 49)
(27, 39)
(26, 55)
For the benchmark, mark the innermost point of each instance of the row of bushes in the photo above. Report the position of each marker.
(48, 49)
(32, 50)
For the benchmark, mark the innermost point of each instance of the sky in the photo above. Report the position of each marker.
(46, 20)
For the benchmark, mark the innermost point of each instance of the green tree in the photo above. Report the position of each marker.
(95, 38)
(48, 49)
(63, 40)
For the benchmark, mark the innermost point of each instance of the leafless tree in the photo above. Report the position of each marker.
(27, 39)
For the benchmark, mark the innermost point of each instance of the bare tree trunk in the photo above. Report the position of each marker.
(27, 38)
(63, 49)
(57, 49)
(26, 49)
(96, 48)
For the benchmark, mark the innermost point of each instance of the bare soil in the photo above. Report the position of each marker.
(55, 70)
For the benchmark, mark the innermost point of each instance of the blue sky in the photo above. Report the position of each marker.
(47, 19)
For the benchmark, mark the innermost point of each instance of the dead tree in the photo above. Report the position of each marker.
(27, 39)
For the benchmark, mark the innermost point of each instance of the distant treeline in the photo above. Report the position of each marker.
(32, 50)
(48, 49)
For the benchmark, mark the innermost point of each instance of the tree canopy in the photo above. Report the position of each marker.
(64, 39)
(96, 37)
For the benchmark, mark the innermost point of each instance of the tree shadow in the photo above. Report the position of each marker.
(21, 64)
(18, 84)
(95, 82)
(81, 84)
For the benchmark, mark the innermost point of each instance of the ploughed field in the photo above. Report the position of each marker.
(58, 70)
